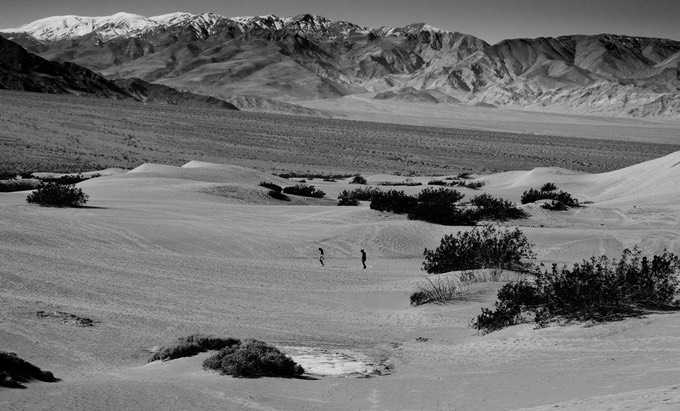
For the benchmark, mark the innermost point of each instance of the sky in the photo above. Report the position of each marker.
(490, 20)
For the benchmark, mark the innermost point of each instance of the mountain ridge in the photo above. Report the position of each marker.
(308, 57)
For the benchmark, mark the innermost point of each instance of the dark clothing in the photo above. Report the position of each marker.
(363, 258)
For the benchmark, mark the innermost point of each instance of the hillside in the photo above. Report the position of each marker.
(307, 57)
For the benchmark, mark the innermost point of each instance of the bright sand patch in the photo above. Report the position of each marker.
(164, 252)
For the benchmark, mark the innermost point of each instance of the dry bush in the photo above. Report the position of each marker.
(58, 195)
(192, 345)
(439, 289)
(253, 359)
(14, 371)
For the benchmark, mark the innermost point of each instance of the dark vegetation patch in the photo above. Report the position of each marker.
(310, 176)
(66, 318)
(275, 191)
(253, 359)
(352, 197)
(597, 290)
(408, 182)
(242, 359)
(442, 206)
(14, 371)
(559, 199)
(358, 179)
(192, 345)
(57, 195)
(482, 247)
(18, 185)
(304, 190)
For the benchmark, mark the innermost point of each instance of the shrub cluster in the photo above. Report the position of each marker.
(18, 185)
(497, 209)
(352, 197)
(253, 359)
(597, 289)
(57, 195)
(304, 190)
(392, 201)
(358, 179)
(441, 206)
(271, 186)
(274, 190)
(533, 195)
(408, 182)
(192, 345)
(64, 180)
(14, 371)
(314, 175)
(481, 247)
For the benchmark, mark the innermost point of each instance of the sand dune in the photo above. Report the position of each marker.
(159, 254)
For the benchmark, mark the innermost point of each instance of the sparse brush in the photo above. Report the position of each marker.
(598, 289)
(14, 371)
(304, 190)
(271, 186)
(192, 345)
(439, 289)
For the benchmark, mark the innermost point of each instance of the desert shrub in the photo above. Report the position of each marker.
(439, 206)
(18, 185)
(253, 359)
(277, 195)
(408, 182)
(352, 197)
(271, 186)
(392, 201)
(192, 345)
(533, 195)
(555, 206)
(437, 183)
(439, 289)
(314, 175)
(491, 208)
(365, 193)
(481, 247)
(358, 179)
(14, 371)
(474, 185)
(549, 187)
(464, 175)
(345, 198)
(566, 199)
(598, 289)
(57, 195)
(64, 180)
(304, 190)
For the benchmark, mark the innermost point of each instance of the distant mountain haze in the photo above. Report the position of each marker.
(309, 57)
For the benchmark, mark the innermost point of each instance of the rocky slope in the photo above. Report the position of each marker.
(24, 71)
(309, 57)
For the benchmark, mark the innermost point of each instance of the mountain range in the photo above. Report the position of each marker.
(286, 61)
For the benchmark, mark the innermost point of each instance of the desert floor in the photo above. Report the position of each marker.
(40, 132)
(162, 252)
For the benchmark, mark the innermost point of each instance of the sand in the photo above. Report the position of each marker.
(162, 252)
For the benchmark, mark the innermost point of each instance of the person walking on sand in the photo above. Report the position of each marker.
(321, 258)
(363, 258)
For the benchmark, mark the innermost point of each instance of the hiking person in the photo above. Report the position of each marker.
(363, 258)
(321, 257)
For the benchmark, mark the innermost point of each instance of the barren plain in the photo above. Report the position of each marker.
(41, 132)
(175, 246)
